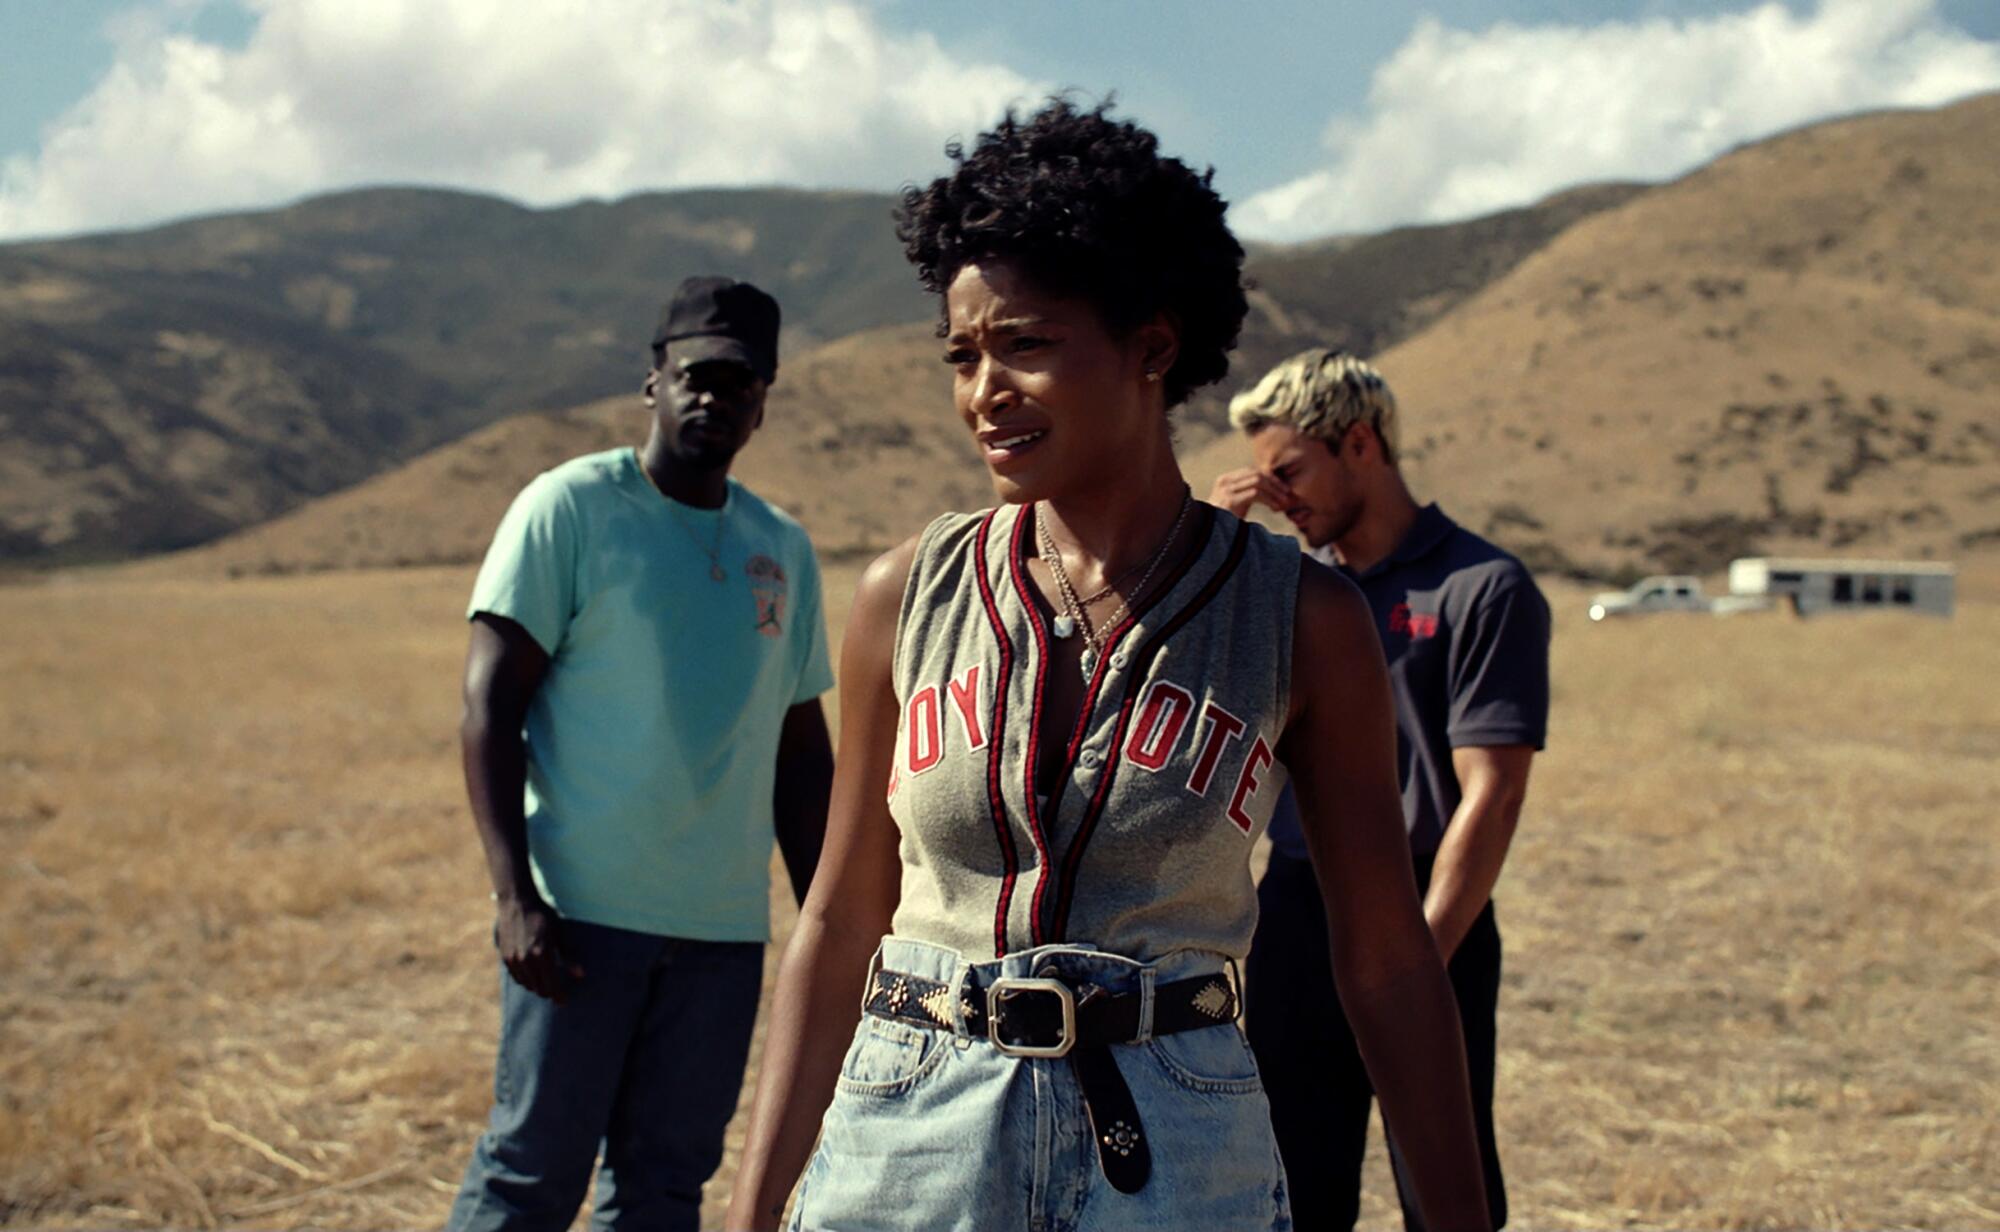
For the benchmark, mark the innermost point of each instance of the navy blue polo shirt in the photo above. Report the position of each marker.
(1466, 632)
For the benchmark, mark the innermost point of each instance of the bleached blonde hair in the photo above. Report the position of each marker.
(1320, 393)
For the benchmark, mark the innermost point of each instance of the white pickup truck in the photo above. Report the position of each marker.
(1670, 593)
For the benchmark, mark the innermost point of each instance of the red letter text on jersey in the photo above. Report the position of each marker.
(926, 738)
(1246, 783)
(1222, 728)
(1162, 715)
(965, 695)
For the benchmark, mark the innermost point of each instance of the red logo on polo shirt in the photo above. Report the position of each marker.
(1413, 625)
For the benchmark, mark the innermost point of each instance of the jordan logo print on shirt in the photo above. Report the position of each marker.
(767, 590)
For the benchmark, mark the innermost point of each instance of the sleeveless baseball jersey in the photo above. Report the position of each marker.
(1142, 846)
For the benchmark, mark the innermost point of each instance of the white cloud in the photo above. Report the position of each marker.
(1460, 123)
(545, 102)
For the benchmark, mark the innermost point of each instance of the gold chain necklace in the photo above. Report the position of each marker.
(712, 551)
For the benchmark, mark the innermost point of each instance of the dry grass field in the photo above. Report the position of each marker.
(1753, 917)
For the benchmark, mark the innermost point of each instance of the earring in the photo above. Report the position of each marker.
(1152, 374)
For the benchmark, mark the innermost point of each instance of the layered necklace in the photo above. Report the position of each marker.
(1075, 615)
(711, 550)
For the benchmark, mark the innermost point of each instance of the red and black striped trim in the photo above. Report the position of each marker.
(1044, 920)
(997, 724)
(1017, 568)
(1139, 668)
(1084, 712)
(1019, 571)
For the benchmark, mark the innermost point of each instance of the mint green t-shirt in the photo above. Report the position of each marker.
(653, 740)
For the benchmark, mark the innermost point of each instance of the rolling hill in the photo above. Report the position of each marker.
(161, 388)
(1793, 349)
(1365, 293)
(859, 442)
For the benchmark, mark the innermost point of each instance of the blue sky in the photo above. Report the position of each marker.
(1318, 117)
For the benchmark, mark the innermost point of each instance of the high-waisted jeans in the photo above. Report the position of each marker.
(937, 1130)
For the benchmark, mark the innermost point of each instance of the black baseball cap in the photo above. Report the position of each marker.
(712, 317)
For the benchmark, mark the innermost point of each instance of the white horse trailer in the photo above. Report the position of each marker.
(1814, 586)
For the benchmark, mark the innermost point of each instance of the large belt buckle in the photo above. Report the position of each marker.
(1008, 986)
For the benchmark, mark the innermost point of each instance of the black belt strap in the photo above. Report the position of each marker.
(1101, 1019)
(1114, 1118)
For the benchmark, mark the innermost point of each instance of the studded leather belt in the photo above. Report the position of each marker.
(1049, 1017)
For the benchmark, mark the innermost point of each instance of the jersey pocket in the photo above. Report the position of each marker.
(1212, 1060)
(888, 1058)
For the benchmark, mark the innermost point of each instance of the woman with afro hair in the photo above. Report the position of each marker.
(1064, 721)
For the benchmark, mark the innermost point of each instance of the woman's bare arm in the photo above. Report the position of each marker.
(1340, 746)
(818, 995)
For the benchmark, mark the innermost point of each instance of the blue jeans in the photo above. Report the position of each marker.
(644, 1058)
(937, 1130)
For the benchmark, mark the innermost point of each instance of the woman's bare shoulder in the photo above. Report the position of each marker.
(1335, 648)
(1332, 614)
(878, 596)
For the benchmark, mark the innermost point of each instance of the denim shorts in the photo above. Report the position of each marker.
(935, 1129)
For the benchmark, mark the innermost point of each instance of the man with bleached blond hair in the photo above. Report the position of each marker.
(1466, 632)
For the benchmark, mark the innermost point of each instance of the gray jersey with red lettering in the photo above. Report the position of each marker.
(1142, 846)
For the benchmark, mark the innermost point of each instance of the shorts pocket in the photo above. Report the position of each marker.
(815, 1170)
(888, 1058)
(1211, 1060)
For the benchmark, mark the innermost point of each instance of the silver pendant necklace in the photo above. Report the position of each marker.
(1074, 615)
(713, 551)
(1064, 625)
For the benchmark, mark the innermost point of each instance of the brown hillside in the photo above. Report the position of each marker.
(1796, 348)
(162, 388)
(126, 431)
(851, 408)
(1366, 293)
(1793, 349)
(859, 443)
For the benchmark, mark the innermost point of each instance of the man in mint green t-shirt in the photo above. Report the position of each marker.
(642, 718)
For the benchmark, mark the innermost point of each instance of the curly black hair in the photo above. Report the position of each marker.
(1087, 206)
